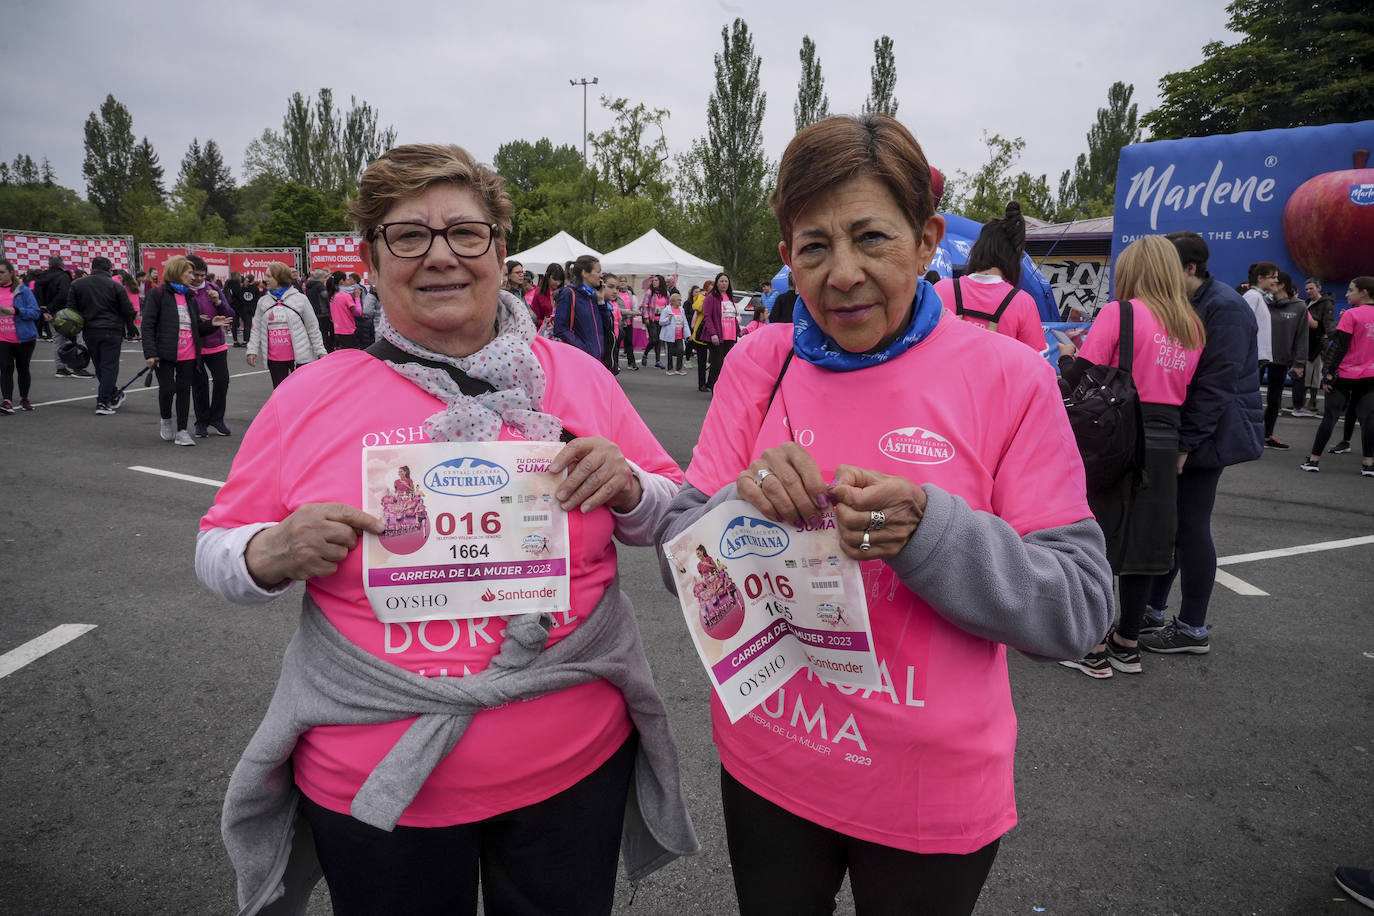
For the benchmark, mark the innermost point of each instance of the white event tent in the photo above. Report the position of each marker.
(651, 253)
(560, 249)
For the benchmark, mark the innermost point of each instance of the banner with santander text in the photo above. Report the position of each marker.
(254, 261)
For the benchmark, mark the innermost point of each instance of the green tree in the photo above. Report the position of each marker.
(628, 161)
(551, 188)
(812, 103)
(882, 98)
(31, 198)
(203, 168)
(23, 171)
(108, 166)
(984, 194)
(320, 146)
(1091, 189)
(1297, 62)
(146, 171)
(726, 177)
(295, 210)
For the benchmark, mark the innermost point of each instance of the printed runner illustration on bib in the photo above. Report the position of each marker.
(763, 601)
(472, 530)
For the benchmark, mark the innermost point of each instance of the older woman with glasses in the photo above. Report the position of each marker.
(946, 458)
(525, 746)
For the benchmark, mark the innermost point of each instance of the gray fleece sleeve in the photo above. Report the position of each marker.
(636, 527)
(1048, 595)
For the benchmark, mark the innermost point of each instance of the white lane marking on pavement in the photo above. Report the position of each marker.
(134, 390)
(35, 649)
(175, 476)
(1241, 587)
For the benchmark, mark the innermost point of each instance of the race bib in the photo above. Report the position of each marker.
(8, 333)
(472, 530)
(279, 345)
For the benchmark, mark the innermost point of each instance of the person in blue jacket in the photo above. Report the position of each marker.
(18, 336)
(576, 315)
(1221, 424)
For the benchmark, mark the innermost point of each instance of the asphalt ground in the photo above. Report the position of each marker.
(1231, 783)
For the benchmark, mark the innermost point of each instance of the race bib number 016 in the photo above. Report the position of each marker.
(472, 530)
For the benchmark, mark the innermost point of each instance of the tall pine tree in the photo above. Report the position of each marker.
(109, 159)
(812, 103)
(203, 169)
(1091, 190)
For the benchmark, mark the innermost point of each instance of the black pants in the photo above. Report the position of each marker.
(627, 340)
(345, 341)
(718, 354)
(210, 399)
(785, 865)
(104, 349)
(279, 369)
(655, 343)
(1195, 556)
(242, 320)
(706, 356)
(557, 856)
(1278, 377)
(1358, 394)
(675, 349)
(14, 360)
(174, 380)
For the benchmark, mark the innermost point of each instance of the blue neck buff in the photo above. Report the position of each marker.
(279, 292)
(812, 344)
(179, 288)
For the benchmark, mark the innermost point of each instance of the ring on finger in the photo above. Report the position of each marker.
(761, 475)
(876, 520)
(865, 546)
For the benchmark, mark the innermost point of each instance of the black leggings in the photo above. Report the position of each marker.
(174, 380)
(706, 355)
(627, 339)
(786, 865)
(14, 360)
(210, 392)
(1278, 376)
(279, 369)
(1195, 555)
(1359, 394)
(556, 856)
(655, 343)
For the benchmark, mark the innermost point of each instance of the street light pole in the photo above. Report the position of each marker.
(584, 83)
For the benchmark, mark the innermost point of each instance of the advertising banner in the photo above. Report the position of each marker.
(1234, 189)
(333, 252)
(154, 256)
(31, 250)
(255, 261)
(216, 260)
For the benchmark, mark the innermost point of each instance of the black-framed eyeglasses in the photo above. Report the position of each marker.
(466, 239)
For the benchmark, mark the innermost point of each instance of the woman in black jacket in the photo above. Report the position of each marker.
(172, 334)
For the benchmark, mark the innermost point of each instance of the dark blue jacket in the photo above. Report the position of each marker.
(1221, 421)
(576, 320)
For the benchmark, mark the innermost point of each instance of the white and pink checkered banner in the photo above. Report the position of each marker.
(31, 250)
(335, 251)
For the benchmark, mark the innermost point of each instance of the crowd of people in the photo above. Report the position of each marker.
(387, 766)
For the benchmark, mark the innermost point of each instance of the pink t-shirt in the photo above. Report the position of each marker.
(8, 332)
(279, 345)
(186, 343)
(138, 314)
(1358, 322)
(925, 764)
(304, 447)
(1161, 366)
(343, 308)
(1021, 319)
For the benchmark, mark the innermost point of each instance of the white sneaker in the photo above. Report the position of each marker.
(183, 438)
(166, 430)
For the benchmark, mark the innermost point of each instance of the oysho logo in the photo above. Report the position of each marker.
(746, 536)
(466, 477)
(1362, 195)
(914, 445)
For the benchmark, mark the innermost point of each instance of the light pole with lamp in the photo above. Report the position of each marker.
(584, 83)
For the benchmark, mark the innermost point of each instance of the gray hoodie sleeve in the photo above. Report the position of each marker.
(1048, 594)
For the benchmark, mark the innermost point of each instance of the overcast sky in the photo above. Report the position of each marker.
(481, 74)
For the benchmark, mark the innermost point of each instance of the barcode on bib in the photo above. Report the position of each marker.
(535, 518)
(825, 585)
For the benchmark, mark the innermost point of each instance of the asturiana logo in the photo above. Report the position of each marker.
(466, 477)
(1148, 191)
(914, 445)
(1362, 195)
(746, 535)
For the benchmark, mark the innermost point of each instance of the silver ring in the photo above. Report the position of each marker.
(761, 475)
(865, 545)
(876, 520)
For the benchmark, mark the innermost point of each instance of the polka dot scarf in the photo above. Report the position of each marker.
(508, 363)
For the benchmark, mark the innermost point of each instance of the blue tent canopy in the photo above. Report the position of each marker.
(960, 234)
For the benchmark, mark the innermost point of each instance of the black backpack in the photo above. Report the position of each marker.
(991, 317)
(1104, 411)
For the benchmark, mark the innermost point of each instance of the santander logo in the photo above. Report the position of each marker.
(915, 445)
(488, 596)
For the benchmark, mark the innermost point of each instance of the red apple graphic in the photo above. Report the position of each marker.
(1329, 221)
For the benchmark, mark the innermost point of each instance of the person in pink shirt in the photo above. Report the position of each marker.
(987, 295)
(345, 308)
(954, 482)
(172, 331)
(526, 745)
(1139, 514)
(135, 298)
(1349, 377)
